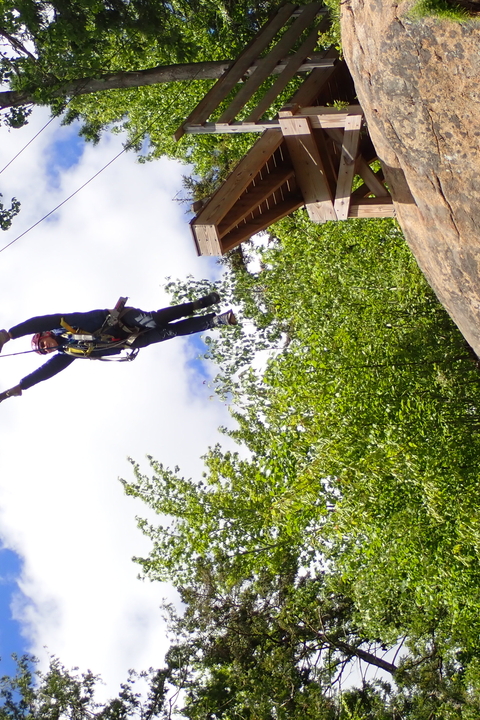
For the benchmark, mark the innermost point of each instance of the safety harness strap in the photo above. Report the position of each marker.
(102, 339)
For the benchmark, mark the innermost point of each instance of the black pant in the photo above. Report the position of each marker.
(160, 325)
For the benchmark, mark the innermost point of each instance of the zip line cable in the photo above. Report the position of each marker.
(127, 147)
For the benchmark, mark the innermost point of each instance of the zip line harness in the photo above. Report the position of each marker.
(103, 339)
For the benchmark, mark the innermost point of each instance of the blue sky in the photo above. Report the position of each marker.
(11, 640)
(64, 153)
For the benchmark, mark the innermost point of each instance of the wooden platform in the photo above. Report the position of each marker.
(309, 160)
(308, 154)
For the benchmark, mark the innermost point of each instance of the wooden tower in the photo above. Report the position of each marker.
(308, 155)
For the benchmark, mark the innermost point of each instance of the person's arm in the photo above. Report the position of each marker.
(34, 325)
(52, 367)
(90, 321)
(30, 327)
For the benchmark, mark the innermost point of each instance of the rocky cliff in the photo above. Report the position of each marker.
(418, 82)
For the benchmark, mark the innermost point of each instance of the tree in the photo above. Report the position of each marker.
(60, 693)
(208, 70)
(357, 456)
(7, 214)
(56, 50)
(159, 55)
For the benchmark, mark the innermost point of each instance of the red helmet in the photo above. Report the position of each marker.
(36, 341)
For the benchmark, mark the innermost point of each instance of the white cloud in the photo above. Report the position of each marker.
(65, 442)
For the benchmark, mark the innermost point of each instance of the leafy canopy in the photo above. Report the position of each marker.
(357, 459)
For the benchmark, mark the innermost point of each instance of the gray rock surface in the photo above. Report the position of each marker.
(418, 82)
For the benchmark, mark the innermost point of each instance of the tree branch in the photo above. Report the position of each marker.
(365, 656)
(16, 44)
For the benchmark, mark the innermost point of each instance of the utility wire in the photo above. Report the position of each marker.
(127, 147)
(54, 116)
(29, 142)
(68, 198)
(24, 352)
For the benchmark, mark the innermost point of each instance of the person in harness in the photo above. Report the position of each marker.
(116, 334)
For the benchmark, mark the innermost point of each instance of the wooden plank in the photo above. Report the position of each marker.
(346, 169)
(227, 82)
(314, 60)
(372, 207)
(292, 67)
(370, 178)
(309, 169)
(254, 197)
(325, 118)
(274, 56)
(315, 82)
(232, 128)
(206, 239)
(329, 118)
(239, 179)
(310, 110)
(262, 222)
(329, 158)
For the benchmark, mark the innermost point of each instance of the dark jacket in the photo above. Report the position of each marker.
(90, 322)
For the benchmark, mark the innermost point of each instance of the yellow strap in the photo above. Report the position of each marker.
(77, 351)
(67, 327)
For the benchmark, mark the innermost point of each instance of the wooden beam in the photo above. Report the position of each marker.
(254, 197)
(329, 118)
(292, 67)
(309, 169)
(315, 82)
(274, 56)
(227, 82)
(231, 128)
(262, 222)
(372, 207)
(319, 117)
(206, 239)
(371, 180)
(225, 197)
(346, 169)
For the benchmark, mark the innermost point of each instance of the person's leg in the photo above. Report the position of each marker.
(176, 329)
(160, 318)
(155, 319)
(175, 312)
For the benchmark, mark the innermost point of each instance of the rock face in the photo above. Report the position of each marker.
(418, 82)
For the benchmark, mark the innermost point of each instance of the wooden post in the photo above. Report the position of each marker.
(309, 169)
(346, 168)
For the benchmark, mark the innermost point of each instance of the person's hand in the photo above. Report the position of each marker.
(17, 390)
(4, 338)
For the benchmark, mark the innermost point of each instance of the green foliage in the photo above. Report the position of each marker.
(155, 112)
(60, 693)
(269, 648)
(7, 214)
(442, 9)
(84, 40)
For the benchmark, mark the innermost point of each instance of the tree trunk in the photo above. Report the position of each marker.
(210, 70)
